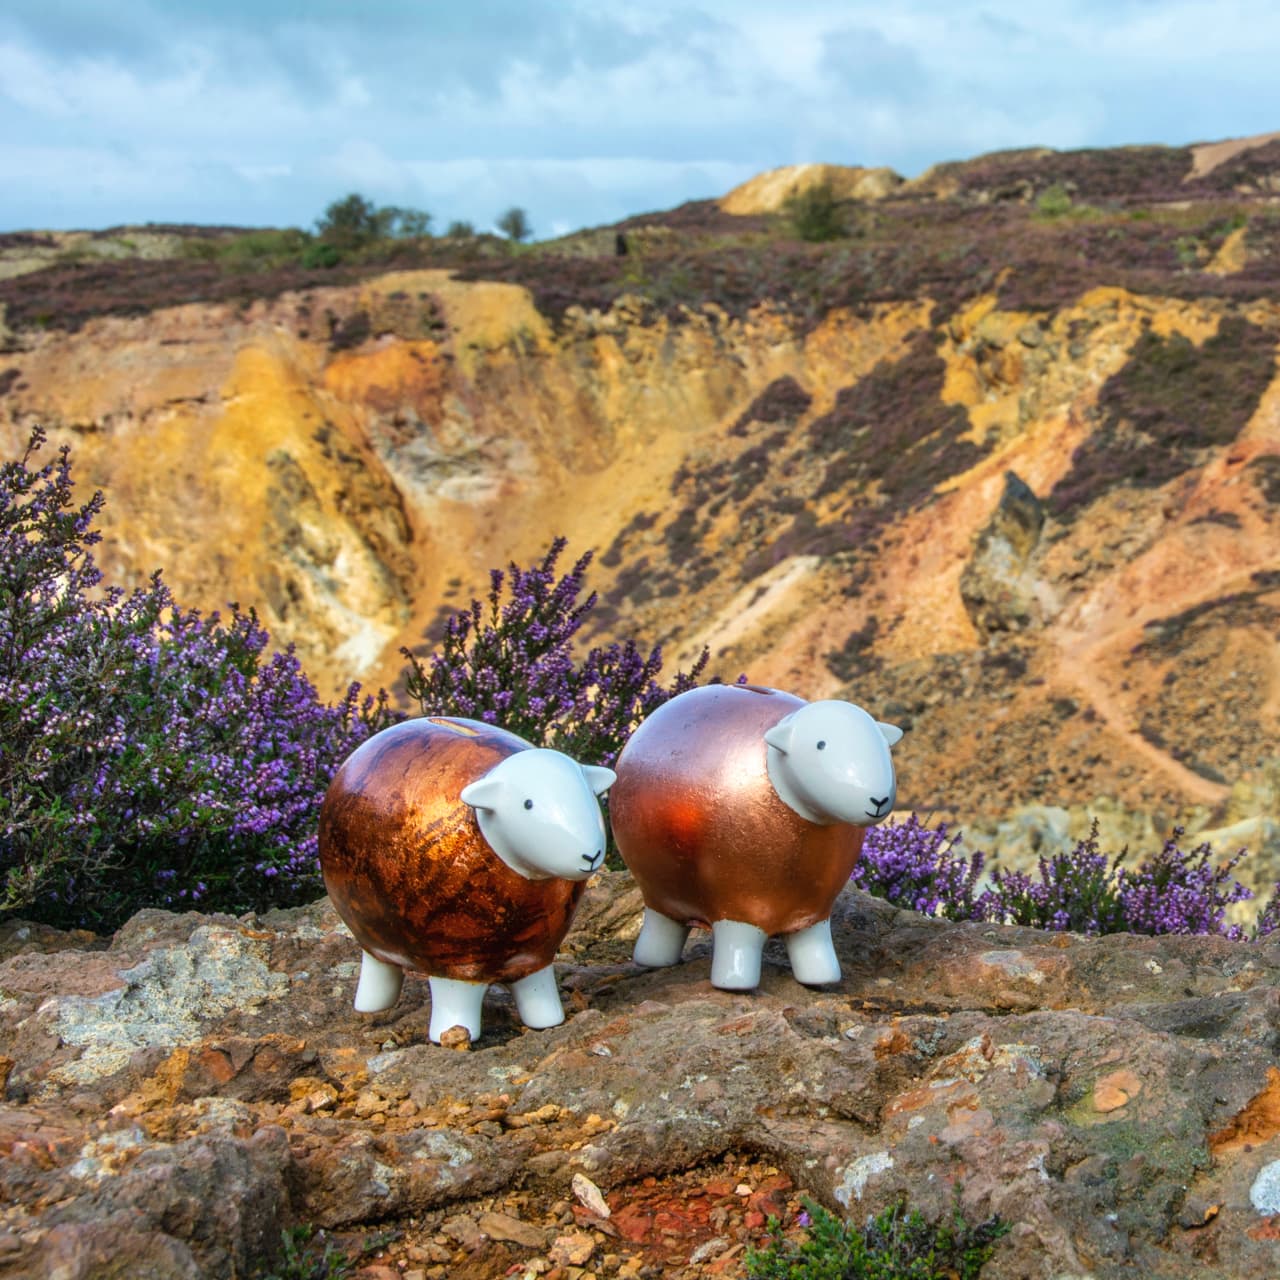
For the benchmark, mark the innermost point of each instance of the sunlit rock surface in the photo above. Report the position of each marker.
(176, 1097)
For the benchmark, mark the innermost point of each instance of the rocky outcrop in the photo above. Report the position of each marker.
(769, 192)
(997, 589)
(176, 1098)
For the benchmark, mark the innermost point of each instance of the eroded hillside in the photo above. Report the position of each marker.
(1003, 464)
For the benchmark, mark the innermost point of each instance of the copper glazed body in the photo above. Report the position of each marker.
(701, 828)
(408, 870)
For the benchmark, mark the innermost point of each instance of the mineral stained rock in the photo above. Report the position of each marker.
(177, 1097)
(997, 589)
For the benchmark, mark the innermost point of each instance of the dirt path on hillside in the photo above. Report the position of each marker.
(1078, 667)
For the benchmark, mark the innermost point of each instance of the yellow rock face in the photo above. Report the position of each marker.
(768, 192)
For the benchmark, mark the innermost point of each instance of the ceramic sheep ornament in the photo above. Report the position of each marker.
(744, 809)
(459, 850)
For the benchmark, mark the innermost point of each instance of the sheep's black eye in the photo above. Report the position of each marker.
(822, 745)
(528, 804)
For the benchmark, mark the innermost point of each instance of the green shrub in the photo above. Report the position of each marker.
(514, 224)
(263, 250)
(354, 222)
(1054, 202)
(1188, 251)
(303, 1258)
(894, 1245)
(320, 254)
(815, 214)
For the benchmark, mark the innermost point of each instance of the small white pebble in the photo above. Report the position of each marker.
(742, 1189)
(589, 1196)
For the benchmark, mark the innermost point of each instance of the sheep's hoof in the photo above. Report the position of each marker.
(735, 956)
(455, 1003)
(538, 999)
(379, 985)
(813, 958)
(661, 940)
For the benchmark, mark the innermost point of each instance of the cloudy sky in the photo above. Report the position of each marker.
(260, 112)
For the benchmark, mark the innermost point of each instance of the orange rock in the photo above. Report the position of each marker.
(1113, 1091)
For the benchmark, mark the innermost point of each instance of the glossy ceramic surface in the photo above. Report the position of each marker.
(701, 828)
(408, 870)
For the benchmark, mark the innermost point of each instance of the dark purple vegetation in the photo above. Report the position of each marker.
(149, 756)
(152, 756)
(513, 664)
(783, 400)
(1083, 891)
(1170, 402)
(917, 867)
(1121, 174)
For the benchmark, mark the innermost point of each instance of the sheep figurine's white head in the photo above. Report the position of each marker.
(830, 762)
(538, 811)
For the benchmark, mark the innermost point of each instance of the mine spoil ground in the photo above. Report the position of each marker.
(179, 1093)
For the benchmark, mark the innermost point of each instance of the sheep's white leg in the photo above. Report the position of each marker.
(735, 955)
(538, 999)
(813, 958)
(661, 940)
(455, 1003)
(379, 985)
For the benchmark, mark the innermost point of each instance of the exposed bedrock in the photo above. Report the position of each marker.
(203, 1081)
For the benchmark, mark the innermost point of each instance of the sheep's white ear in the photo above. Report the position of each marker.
(484, 793)
(781, 735)
(890, 732)
(599, 779)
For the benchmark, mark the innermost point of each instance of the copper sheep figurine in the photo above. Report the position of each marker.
(743, 809)
(457, 849)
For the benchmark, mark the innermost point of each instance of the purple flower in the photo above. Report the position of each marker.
(915, 866)
(514, 663)
(141, 743)
(1082, 890)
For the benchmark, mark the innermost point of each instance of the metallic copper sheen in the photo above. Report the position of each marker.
(408, 870)
(701, 828)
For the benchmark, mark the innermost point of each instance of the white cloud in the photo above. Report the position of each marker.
(28, 80)
(578, 112)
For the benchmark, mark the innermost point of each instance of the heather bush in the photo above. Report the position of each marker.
(512, 663)
(149, 756)
(1083, 891)
(1177, 892)
(1269, 917)
(917, 867)
(1078, 891)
